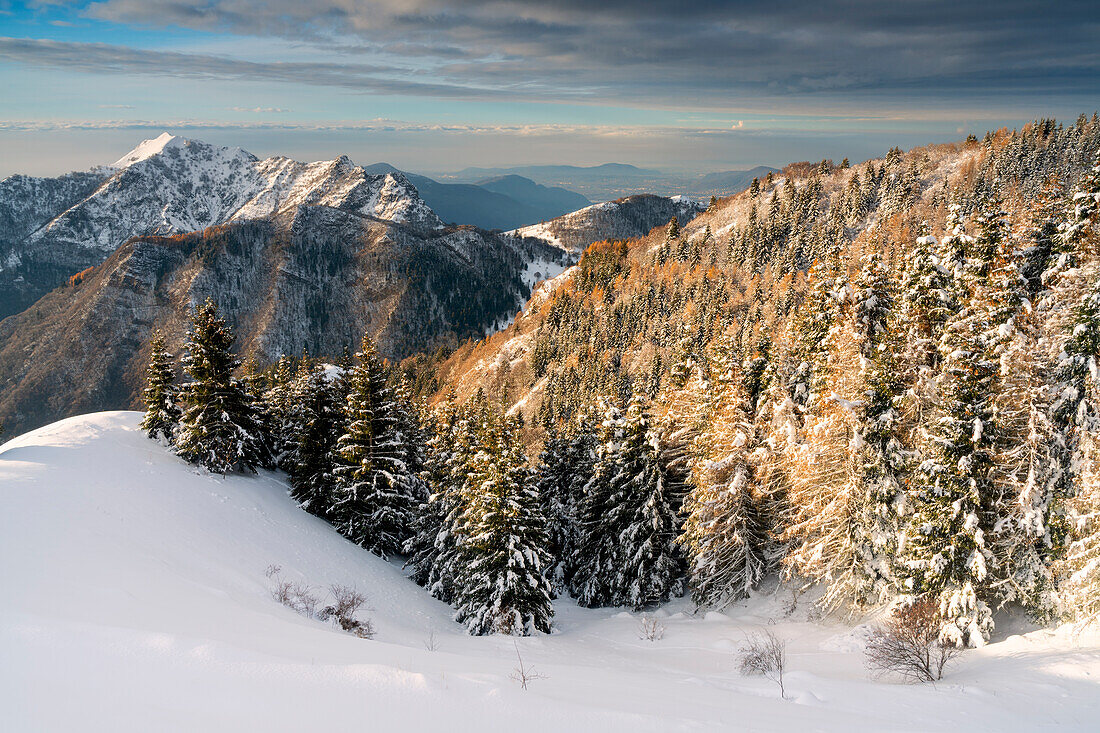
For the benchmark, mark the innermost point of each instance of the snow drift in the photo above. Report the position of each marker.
(136, 599)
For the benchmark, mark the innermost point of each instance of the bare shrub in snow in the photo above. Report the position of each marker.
(431, 644)
(765, 654)
(345, 605)
(651, 629)
(909, 644)
(522, 673)
(296, 596)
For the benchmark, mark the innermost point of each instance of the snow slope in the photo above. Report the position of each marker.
(135, 600)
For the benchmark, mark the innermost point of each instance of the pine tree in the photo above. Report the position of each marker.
(319, 420)
(433, 550)
(376, 493)
(555, 482)
(162, 415)
(596, 558)
(219, 428)
(946, 552)
(723, 534)
(280, 401)
(642, 515)
(503, 587)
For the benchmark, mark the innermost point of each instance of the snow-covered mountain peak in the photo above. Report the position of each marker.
(147, 149)
(171, 185)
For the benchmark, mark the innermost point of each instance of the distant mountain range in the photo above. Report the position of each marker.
(615, 180)
(497, 202)
(51, 228)
(298, 256)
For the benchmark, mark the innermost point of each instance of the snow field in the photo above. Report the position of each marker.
(136, 599)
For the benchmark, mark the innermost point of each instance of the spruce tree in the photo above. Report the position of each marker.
(883, 462)
(555, 482)
(319, 420)
(651, 568)
(255, 385)
(376, 492)
(724, 535)
(1074, 306)
(596, 558)
(947, 553)
(280, 401)
(434, 547)
(219, 427)
(162, 415)
(502, 587)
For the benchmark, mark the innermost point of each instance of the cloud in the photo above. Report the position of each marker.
(115, 106)
(260, 110)
(704, 54)
(106, 58)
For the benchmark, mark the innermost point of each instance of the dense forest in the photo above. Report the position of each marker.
(878, 382)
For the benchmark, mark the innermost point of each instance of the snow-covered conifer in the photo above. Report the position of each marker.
(280, 401)
(376, 493)
(596, 556)
(162, 415)
(319, 420)
(642, 513)
(219, 427)
(724, 535)
(947, 553)
(502, 587)
(433, 549)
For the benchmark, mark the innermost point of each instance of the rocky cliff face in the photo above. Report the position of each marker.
(52, 228)
(314, 278)
(634, 216)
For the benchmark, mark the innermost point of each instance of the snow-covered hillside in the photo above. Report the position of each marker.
(136, 600)
(633, 216)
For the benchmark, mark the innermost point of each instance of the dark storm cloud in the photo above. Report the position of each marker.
(706, 54)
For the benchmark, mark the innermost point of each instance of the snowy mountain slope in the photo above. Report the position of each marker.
(316, 280)
(634, 216)
(140, 603)
(172, 185)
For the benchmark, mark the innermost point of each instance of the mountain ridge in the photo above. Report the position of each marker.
(171, 185)
(314, 280)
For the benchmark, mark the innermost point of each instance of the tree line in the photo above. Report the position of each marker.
(902, 430)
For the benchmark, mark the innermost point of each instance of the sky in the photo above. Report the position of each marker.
(439, 85)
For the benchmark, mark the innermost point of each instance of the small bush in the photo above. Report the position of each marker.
(346, 603)
(651, 629)
(296, 596)
(765, 654)
(522, 673)
(342, 611)
(909, 645)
